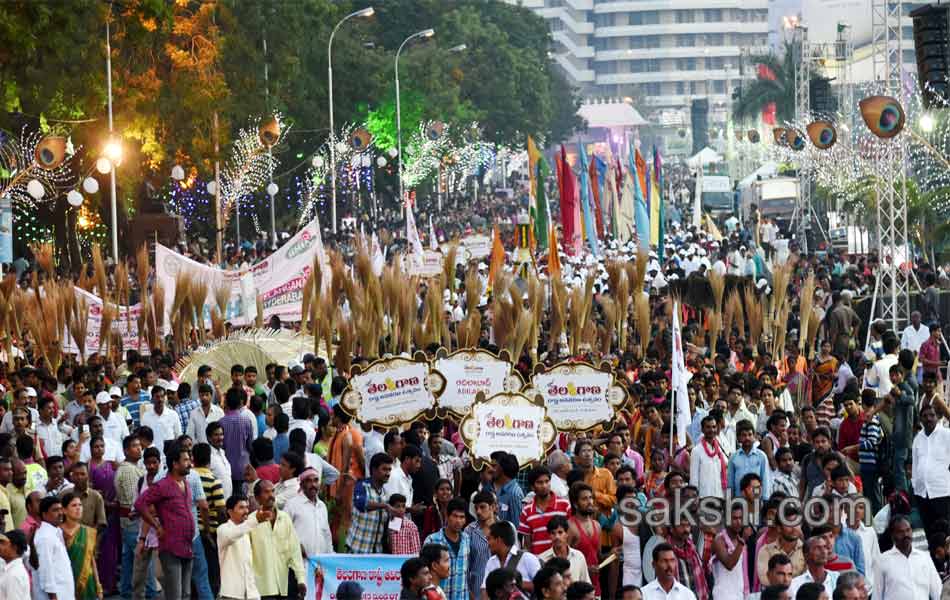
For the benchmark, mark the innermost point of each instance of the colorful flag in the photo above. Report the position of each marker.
(567, 192)
(554, 261)
(642, 217)
(654, 208)
(658, 170)
(681, 378)
(497, 258)
(533, 155)
(542, 219)
(597, 168)
(585, 201)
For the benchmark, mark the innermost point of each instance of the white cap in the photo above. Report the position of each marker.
(30, 392)
(171, 386)
(103, 398)
(482, 266)
(115, 391)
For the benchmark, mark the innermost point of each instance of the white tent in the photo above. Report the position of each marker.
(766, 171)
(706, 156)
(608, 114)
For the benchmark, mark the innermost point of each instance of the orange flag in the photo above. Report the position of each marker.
(554, 262)
(497, 258)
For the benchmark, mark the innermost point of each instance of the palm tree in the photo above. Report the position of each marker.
(927, 224)
(756, 94)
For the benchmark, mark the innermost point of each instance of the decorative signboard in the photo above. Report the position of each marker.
(578, 396)
(393, 391)
(511, 422)
(428, 265)
(468, 372)
(478, 246)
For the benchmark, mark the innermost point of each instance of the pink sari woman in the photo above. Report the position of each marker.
(102, 476)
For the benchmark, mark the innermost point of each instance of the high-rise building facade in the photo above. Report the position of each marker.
(660, 53)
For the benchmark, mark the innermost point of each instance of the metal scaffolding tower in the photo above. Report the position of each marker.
(803, 210)
(891, 299)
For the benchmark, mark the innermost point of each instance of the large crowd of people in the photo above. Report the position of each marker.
(823, 476)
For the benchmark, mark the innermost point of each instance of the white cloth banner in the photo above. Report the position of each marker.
(279, 278)
(126, 323)
(681, 378)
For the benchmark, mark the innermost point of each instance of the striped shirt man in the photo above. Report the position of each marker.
(214, 493)
(533, 522)
(869, 441)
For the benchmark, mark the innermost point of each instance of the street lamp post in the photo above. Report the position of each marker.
(115, 211)
(425, 33)
(365, 12)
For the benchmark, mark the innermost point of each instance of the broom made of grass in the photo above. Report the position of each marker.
(734, 309)
(259, 317)
(558, 312)
(536, 307)
(606, 334)
(121, 293)
(99, 273)
(43, 253)
(781, 331)
(77, 312)
(754, 311)
(6, 315)
(199, 292)
(814, 323)
(180, 299)
(344, 350)
(807, 300)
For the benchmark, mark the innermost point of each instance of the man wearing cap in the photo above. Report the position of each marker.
(164, 423)
(114, 426)
(14, 580)
(309, 515)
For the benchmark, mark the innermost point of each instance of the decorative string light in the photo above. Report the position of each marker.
(249, 168)
(19, 169)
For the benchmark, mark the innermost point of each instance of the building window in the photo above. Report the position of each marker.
(714, 39)
(686, 40)
(685, 16)
(606, 20)
(651, 89)
(719, 86)
(715, 63)
(712, 15)
(680, 88)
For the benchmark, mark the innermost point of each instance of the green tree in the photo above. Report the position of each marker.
(760, 92)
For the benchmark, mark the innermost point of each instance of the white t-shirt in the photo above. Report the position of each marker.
(528, 565)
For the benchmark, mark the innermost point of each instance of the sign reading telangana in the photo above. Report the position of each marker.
(578, 396)
(510, 422)
(468, 372)
(393, 391)
(478, 246)
(126, 323)
(279, 278)
(377, 574)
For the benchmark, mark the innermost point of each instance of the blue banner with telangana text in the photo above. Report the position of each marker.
(377, 574)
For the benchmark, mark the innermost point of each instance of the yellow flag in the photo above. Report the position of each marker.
(533, 155)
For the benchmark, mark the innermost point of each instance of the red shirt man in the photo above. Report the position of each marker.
(544, 506)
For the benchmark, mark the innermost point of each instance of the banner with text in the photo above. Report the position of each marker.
(578, 401)
(478, 246)
(279, 278)
(126, 323)
(511, 422)
(392, 391)
(377, 574)
(465, 377)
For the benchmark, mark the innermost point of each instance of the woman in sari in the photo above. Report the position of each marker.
(824, 370)
(81, 548)
(102, 477)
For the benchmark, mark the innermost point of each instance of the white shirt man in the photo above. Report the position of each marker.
(931, 456)
(653, 591)
(222, 470)
(114, 428)
(399, 483)
(900, 577)
(912, 338)
(51, 577)
(52, 435)
(166, 427)
(14, 580)
(198, 422)
(830, 582)
(878, 376)
(310, 519)
(705, 471)
(234, 556)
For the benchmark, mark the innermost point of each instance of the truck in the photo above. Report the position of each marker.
(717, 195)
(776, 198)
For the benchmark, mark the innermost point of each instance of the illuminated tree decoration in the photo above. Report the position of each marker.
(250, 166)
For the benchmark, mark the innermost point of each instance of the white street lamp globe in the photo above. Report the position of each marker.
(90, 185)
(211, 187)
(341, 147)
(381, 162)
(103, 165)
(178, 173)
(35, 189)
(927, 123)
(74, 198)
(271, 189)
(317, 161)
(393, 152)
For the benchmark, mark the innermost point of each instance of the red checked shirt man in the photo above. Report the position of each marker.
(544, 506)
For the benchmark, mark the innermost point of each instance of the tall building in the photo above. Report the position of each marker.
(660, 53)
